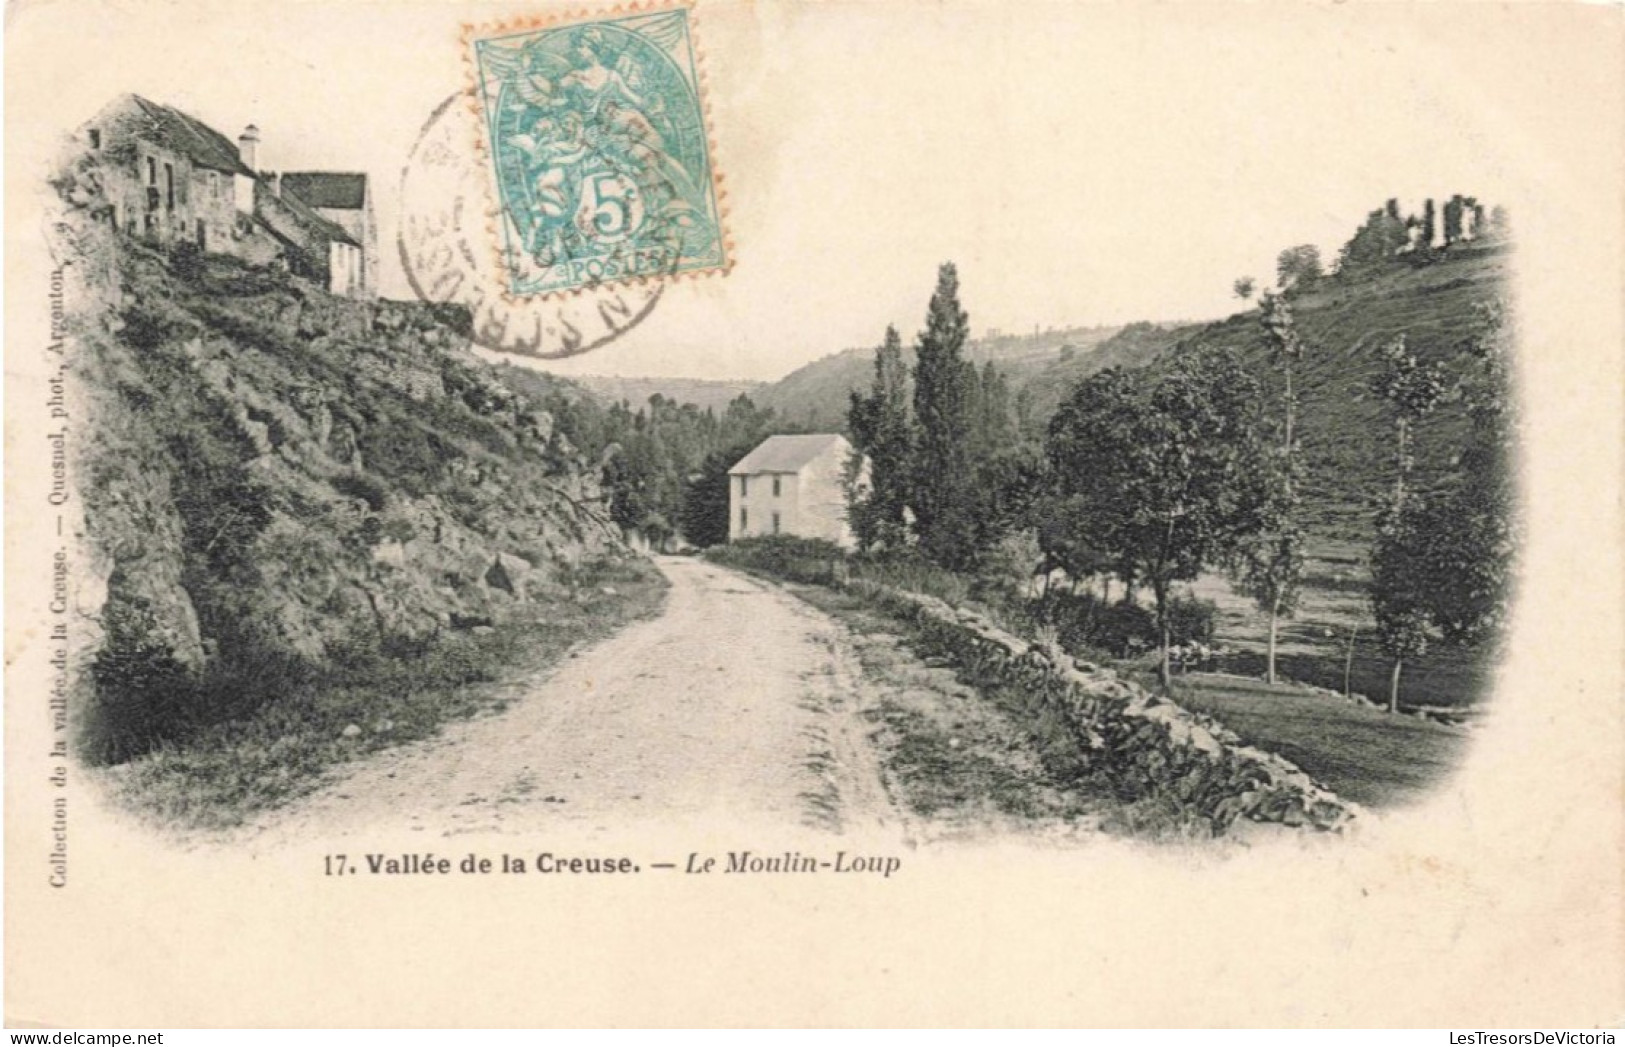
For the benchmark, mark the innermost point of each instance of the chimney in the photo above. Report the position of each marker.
(248, 147)
(275, 178)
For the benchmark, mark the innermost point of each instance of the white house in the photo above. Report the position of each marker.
(792, 485)
(345, 199)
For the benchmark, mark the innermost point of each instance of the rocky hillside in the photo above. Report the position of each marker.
(278, 484)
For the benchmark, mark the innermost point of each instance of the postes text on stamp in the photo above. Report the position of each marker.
(599, 157)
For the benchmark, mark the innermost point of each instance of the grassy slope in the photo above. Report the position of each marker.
(1360, 753)
(1136, 345)
(1346, 431)
(1346, 435)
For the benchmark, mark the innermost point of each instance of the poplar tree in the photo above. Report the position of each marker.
(1404, 563)
(943, 493)
(882, 430)
(1268, 566)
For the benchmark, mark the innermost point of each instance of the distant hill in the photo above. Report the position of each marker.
(816, 395)
(1345, 431)
(1136, 345)
(701, 392)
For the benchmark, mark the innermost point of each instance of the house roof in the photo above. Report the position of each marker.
(344, 190)
(190, 137)
(785, 454)
(305, 213)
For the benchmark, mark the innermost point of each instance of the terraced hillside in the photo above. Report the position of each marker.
(1347, 432)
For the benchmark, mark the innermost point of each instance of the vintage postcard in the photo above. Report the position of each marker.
(798, 513)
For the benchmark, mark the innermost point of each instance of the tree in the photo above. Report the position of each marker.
(1298, 268)
(942, 491)
(1009, 485)
(1477, 521)
(1399, 567)
(1376, 243)
(1089, 444)
(1414, 389)
(636, 482)
(1243, 287)
(1269, 562)
(1165, 469)
(706, 497)
(1404, 563)
(882, 429)
(993, 427)
(1286, 349)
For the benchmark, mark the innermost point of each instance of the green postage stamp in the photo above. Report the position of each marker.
(600, 161)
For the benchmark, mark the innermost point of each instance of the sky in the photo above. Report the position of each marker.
(1081, 164)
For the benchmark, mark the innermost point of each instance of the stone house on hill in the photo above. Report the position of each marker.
(792, 485)
(169, 178)
(345, 199)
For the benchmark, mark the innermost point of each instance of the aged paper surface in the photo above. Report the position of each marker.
(853, 141)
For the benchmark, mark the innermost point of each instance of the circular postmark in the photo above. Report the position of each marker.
(449, 249)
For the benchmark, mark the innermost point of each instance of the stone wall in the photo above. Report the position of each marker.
(1143, 746)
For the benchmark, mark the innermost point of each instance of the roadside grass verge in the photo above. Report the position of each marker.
(946, 766)
(231, 771)
(1362, 754)
(960, 763)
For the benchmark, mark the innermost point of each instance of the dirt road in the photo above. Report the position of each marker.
(738, 704)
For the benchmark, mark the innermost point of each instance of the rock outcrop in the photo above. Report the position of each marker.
(276, 482)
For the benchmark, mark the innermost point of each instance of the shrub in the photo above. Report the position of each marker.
(810, 560)
(1085, 622)
(143, 694)
(186, 261)
(909, 571)
(357, 484)
(1190, 620)
(146, 328)
(456, 317)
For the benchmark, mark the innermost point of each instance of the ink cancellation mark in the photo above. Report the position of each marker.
(598, 155)
(446, 258)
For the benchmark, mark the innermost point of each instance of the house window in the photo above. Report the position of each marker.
(152, 171)
(95, 138)
(775, 491)
(744, 520)
(169, 186)
(775, 523)
(744, 486)
(202, 236)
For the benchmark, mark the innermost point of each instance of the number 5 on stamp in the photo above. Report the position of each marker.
(600, 159)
